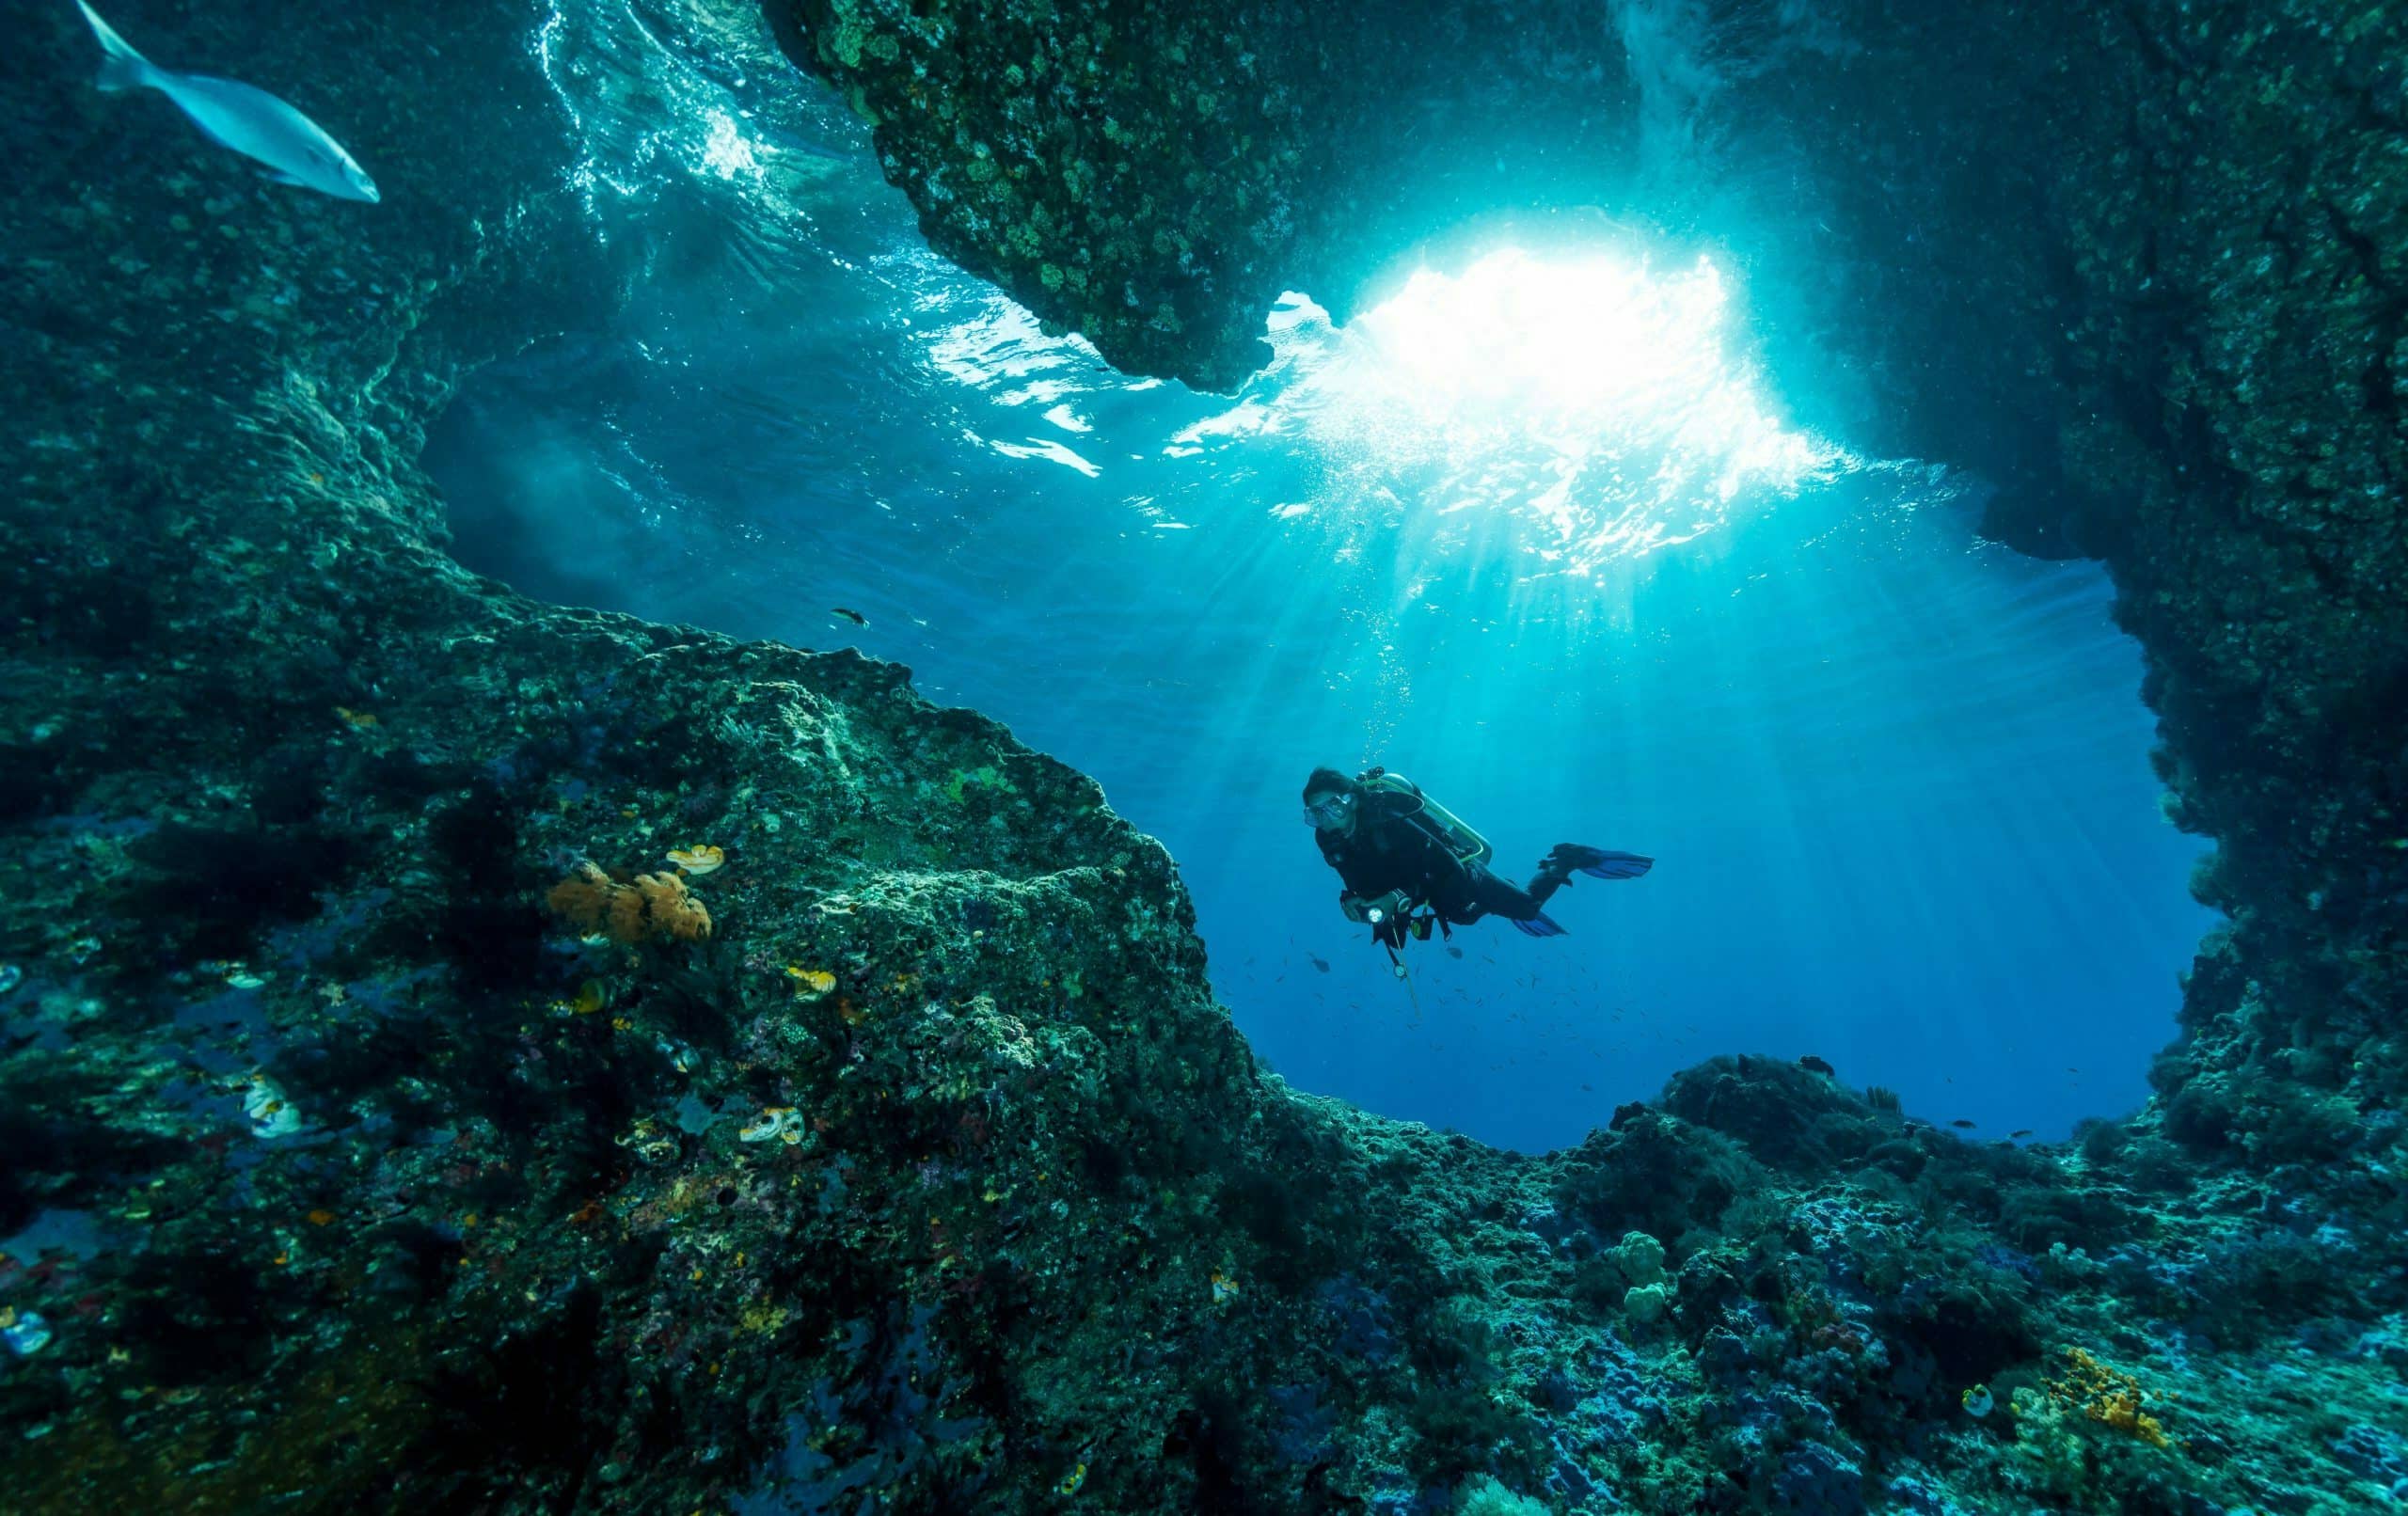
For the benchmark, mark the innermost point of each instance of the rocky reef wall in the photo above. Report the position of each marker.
(1154, 176)
(2142, 266)
(459, 1053)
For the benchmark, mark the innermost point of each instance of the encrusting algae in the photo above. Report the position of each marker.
(654, 907)
(776, 1123)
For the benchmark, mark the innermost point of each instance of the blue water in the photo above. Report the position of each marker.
(1543, 543)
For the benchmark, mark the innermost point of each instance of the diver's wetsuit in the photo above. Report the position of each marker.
(1388, 850)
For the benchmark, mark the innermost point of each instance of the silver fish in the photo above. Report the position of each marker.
(253, 122)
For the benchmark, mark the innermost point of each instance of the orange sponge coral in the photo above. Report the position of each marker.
(2108, 1396)
(655, 906)
(668, 911)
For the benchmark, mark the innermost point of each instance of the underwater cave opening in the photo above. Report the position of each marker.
(1532, 530)
(1594, 391)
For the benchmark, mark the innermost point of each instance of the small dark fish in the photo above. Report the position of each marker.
(1453, 952)
(1815, 1066)
(1962, 1122)
(1323, 964)
(1587, 1087)
(2025, 1132)
(853, 616)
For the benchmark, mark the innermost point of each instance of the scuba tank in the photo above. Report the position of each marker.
(1469, 846)
(1397, 916)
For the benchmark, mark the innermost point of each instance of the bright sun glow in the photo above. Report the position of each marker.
(1515, 344)
(1583, 408)
(1592, 396)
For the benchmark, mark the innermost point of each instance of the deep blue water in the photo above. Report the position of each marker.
(1537, 537)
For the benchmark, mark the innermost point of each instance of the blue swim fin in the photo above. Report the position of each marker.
(1538, 925)
(1617, 865)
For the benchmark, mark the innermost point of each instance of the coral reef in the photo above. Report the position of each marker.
(343, 1175)
(2107, 1395)
(650, 906)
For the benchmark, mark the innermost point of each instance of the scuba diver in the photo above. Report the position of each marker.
(1410, 864)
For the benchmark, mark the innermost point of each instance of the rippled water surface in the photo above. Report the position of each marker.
(1531, 530)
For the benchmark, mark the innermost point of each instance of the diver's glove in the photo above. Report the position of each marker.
(1354, 905)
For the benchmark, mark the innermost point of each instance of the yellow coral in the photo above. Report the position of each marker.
(702, 859)
(2108, 1396)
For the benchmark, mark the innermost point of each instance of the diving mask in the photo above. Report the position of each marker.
(1330, 811)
